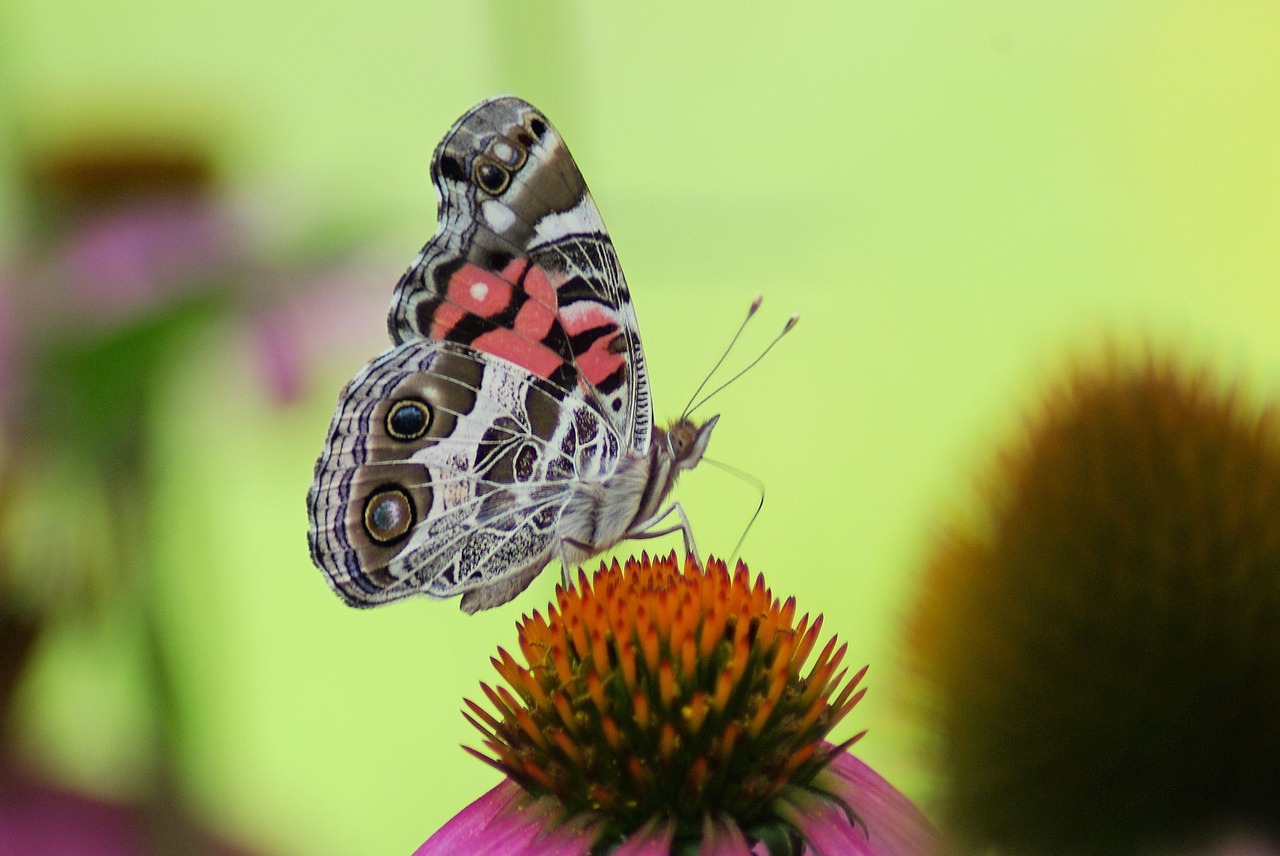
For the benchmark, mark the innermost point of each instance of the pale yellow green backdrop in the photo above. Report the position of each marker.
(953, 195)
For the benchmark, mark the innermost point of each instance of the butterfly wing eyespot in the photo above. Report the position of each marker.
(451, 168)
(535, 125)
(489, 176)
(388, 515)
(408, 419)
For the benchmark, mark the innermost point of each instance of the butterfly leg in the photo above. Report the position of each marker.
(566, 567)
(641, 531)
(646, 530)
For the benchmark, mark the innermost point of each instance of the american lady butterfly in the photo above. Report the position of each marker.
(510, 423)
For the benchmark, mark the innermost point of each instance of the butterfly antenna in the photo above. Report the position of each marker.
(787, 328)
(755, 304)
(754, 482)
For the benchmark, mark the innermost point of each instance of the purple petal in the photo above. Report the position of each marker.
(573, 837)
(652, 839)
(507, 821)
(825, 827)
(313, 326)
(722, 837)
(41, 819)
(894, 826)
(473, 824)
(124, 262)
(45, 821)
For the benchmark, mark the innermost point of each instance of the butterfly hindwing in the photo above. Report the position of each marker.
(445, 471)
(521, 266)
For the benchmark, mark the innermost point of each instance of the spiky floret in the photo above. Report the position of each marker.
(1102, 639)
(655, 690)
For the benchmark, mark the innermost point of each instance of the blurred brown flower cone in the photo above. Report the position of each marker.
(1100, 643)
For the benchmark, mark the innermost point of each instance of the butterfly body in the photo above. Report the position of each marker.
(510, 423)
(628, 501)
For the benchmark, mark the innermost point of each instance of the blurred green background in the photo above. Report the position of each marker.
(954, 196)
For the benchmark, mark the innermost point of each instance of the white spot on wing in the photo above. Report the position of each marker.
(504, 153)
(583, 217)
(498, 216)
(479, 291)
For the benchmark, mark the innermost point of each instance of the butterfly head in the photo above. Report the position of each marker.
(687, 441)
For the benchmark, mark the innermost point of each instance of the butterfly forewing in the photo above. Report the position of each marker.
(521, 266)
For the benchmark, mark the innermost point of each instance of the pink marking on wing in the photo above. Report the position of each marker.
(584, 315)
(540, 287)
(538, 313)
(514, 268)
(444, 319)
(598, 361)
(509, 345)
(482, 292)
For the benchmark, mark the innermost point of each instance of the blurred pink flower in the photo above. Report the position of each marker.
(310, 326)
(139, 256)
(132, 256)
(40, 819)
(144, 243)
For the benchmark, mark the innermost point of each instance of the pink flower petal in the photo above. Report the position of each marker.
(40, 820)
(507, 821)
(135, 257)
(722, 837)
(475, 823)
(652, 839)
(573, 837)
(894, 826)
(825, 827)
(311, 326)
(888, 823)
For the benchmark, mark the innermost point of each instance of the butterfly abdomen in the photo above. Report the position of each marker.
(626, 503)
(601, 512)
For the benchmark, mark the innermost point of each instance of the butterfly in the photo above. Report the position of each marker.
(510, 423)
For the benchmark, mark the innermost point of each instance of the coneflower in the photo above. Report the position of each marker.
(1101, 641)
(668, 709)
